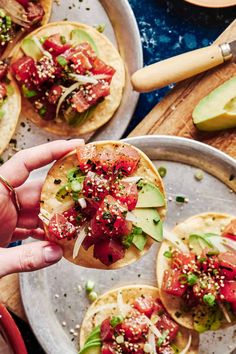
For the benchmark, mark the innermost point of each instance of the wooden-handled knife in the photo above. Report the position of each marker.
(182, 66)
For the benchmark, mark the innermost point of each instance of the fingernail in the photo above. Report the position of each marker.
(52, 253)
(76, 141)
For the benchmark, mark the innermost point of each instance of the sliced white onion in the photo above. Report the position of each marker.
(229, 243)
(133, 179)
(217, 243)
(131, 217)
(123, 308)
(80, 238)
(45, 213)
(152, 327)
(152, 341)
(82, 203)
(65, 94)
(84, 79)
(91, 174)
(186, 349)
(101, 76)
(44, 219)
(102, 308)
(39, 45)
(173, 238)
(223, 309)
(61, 207)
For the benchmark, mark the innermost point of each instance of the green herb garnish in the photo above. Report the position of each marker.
(162, 338)
(180, 199)
(89, 286)
(29, 93)
(61, 60)
(115, 320)
(100, 28)
(168, 254)
(192, 279)
(42, 111)
(209, 299)
(162, 171)
(63, 39)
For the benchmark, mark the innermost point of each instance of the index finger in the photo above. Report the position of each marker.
(17, 169)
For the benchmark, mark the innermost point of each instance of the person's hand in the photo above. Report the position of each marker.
(18, 225)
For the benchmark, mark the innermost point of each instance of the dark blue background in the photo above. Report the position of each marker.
(167, 28)
(171, 27)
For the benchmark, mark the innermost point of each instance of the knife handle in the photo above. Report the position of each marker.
(179, 67)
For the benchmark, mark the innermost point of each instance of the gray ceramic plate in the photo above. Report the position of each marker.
(121, 28)
(56, 294)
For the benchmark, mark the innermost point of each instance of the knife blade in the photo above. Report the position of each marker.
(182, 66)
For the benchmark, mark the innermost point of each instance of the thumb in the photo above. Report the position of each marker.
(29, 257)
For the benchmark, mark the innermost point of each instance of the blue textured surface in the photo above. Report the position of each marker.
(169, 28)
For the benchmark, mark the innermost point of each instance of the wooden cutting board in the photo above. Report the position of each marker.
(172, 116)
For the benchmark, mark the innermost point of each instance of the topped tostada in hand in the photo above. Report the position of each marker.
(104, 204)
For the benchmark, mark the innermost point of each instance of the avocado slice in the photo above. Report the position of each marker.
(149, 220)
(217, 110)
(63, 194)
(91, 348)
(149, 195)
(207, 318)
(31, 49)
(198, 242)
(79, 36)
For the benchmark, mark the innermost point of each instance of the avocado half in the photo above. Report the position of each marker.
(217, 110)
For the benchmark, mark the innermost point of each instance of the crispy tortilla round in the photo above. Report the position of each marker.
(50, 204)
(13, 47)
(129, 294)
(104, 111)
(202, 223)
(8, 122)
(47, 5)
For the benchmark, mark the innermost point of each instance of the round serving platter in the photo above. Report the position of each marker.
(119, 20)
(54, 298)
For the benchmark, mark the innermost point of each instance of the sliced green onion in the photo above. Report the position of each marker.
(61, 60)
(8, 22)
(115, 320)
(100, 28)
(162, 338)
(183, 278)
(180, 199)
(199, 175)
(92, 296)
(162, 171)
(42, 111)
(192, 279)
(29, 93)
(89, 286)
(127, 242)
(63, 39)
(168, 254)
(209, 299)
(156, 221)
(77, 184)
